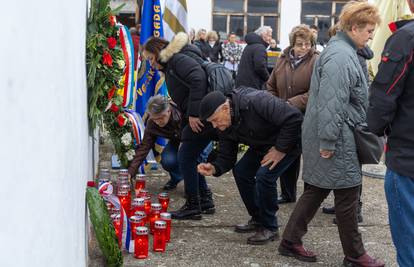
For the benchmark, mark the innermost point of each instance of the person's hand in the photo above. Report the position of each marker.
(272, 157)
(326, 154)
(206, 169)
(195, 124)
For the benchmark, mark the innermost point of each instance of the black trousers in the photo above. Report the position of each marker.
(288, 181)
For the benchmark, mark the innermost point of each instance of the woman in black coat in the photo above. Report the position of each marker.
(187, 84)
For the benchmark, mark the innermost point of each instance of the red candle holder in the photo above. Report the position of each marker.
(135, 222)
(164, 199)
(125, 187)
(114, 210)
(116, 221)
(141, 215)
(125, 200)
(159, 241)
(141, 243)
(155, 215)
(166, 217)
(137, 204)
(142, 193)
(139, 182)
(147, 205)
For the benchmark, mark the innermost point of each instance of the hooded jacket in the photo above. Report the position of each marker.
(365, 54)
(252, 70)
(180, 70)
(391, 105)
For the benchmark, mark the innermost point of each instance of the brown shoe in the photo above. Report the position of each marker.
(262, 236)
(363, 261)
(249, 227)
(297, 251)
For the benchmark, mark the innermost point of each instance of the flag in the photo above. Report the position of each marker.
(149, 80)
(175, 18)
(389, 11)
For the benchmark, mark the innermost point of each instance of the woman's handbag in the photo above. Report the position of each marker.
(369, 146)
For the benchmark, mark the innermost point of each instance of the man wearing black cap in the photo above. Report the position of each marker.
(271, 128)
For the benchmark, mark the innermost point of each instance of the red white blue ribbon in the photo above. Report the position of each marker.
(128, 51)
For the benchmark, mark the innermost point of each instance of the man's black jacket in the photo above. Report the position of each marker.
(252, 71)
(259, 120)
(391, 107)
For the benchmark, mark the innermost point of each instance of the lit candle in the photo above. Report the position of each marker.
(141, 215)
(116, 221)
(147, 205)
(166, 217)
(155, 215)
(137, 205)
(164, 199)
(139, 182)
(125, 200)
(159, 241)
(135, 222)
(142, 193)
(141, 243)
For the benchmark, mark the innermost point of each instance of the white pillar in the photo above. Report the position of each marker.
(290, 11)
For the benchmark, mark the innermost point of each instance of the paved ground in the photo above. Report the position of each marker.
(212, 241)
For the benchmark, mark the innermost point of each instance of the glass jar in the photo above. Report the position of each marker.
(137, 204)
(139, 182)
(166, 217)
(125, 200)
(135, 221)
(141, 243)
(159, 242)
(155, 215)
(141, 215)
(147, 205)
(164, 199)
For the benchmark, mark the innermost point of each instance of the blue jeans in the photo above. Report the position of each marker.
(169, 160)
(257, 186)
(399, 191)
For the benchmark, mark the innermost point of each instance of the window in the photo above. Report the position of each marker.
(243, 16)
(228, 5)
(322, 13)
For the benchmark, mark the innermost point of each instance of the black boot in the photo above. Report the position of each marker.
(191, 210)
(206, 202)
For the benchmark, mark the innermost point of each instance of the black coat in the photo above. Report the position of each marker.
(365, 54)
(252, 70)
(181, 70)
(259, 120)
(203, 46)
(391, 103)
(215, 53)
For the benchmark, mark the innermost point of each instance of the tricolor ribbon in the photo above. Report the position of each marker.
(128, 51)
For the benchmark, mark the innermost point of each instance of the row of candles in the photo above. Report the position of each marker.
(140, 212)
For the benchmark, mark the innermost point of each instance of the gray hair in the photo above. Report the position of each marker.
(262, 30)
(157, 104)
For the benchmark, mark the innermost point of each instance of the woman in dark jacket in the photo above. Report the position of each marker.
(215, 53)
(187, 85)
(201, 42)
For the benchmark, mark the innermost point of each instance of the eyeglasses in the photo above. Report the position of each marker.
(305, 45)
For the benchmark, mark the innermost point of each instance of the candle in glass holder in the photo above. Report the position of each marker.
(141, 243)
(164, 199)
(142, 193)
(137, 204)
(114, 210)
(135, 222)
(159, 241)
(125, 200)
(147, 205)
(123, 172)
(155, 215)
(109, 206)
(104, 176)
(116, 221)
(166, 217)
(139, 182)
(141, 215)
(125, 187)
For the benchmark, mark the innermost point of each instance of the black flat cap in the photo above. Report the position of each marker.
(210, 103)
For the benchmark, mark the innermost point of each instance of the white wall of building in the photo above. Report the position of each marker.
(44, 135)
(290, 11)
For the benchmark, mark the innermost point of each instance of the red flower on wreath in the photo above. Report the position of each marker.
(112, 20)
(107, 59)
(121, 120)
(111, 93)
(114, 108)
(111, 42)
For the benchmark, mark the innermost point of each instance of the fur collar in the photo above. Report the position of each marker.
(177, 43)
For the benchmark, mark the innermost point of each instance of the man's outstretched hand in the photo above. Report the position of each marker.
(206, 169)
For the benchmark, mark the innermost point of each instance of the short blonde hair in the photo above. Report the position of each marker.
(302, 31)
(212, 34)
(358, 13)
(199, 32)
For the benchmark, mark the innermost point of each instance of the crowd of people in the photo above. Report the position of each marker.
(305, 109)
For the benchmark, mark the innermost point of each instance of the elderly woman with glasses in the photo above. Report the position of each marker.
(290, 81)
